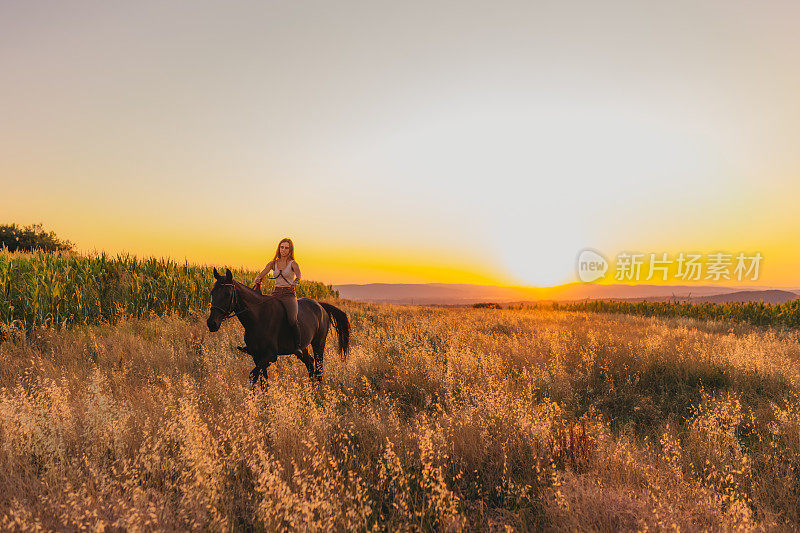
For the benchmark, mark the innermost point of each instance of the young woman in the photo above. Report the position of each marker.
(287, 277)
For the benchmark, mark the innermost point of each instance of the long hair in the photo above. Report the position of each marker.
(278, 249)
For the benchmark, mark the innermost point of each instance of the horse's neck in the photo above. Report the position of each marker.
(250, 301)
(243, 298)
(248, 297)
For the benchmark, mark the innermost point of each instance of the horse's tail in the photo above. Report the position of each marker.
(342, 325)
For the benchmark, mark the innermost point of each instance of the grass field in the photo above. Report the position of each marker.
(440, 419)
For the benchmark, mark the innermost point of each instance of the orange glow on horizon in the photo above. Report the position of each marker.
(437, 153)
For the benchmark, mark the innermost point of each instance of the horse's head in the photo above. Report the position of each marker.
(222, 297)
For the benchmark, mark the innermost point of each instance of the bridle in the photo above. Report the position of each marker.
(230, 313)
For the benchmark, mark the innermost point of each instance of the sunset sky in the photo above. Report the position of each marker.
(465, 142)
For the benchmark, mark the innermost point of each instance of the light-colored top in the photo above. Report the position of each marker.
(287, 272)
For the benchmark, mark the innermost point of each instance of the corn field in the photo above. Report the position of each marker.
(756, 313)
(57, 289)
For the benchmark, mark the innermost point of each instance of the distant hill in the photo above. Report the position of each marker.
(767, 297)
(464, 294)
(428, 293)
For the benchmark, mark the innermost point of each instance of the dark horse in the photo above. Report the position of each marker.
(266, 326)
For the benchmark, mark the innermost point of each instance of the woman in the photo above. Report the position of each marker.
(287, 277)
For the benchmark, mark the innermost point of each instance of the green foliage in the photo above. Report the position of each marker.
(30, 238)
(487, 305)
(757, 313)
(56, 289)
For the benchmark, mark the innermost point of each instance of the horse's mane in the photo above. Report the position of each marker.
(251, 291)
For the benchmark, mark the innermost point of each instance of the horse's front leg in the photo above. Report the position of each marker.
(259, 376)
(254, 375)
(262, 359)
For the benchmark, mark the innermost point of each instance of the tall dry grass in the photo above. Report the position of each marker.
(440, 419)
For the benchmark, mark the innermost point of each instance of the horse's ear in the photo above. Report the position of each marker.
(228, 275)
(216, 274)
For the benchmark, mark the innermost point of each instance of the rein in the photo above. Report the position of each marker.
(280, 275)
(230, 313)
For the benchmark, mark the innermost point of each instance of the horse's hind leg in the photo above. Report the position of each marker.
(307, 360)
(319, 350)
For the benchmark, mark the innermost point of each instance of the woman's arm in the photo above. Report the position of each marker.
(296, 270)
(264, 272)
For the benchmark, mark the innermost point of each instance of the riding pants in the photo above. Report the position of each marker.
(288, 297)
